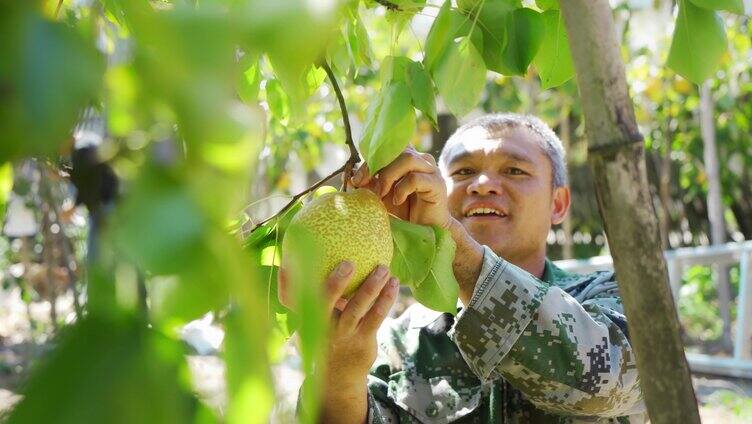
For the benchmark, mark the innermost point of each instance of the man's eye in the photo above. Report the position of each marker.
(463, 171)
(516, 171)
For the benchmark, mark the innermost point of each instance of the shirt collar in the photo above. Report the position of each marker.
(552, 272)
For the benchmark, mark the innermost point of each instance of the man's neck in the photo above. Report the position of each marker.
(534, 264)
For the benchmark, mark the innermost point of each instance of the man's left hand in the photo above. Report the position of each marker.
(411, 188)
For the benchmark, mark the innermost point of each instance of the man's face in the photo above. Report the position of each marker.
(499, 188)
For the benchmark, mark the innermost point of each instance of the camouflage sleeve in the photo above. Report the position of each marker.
(380, 407)
(567, 351)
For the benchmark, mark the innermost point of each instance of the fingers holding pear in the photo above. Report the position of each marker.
(360, 303)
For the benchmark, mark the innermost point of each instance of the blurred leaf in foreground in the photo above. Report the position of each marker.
(110, 371)
(48, 73)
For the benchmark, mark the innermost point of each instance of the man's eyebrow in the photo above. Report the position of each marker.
(463, 155)
(513, 156)
(517, 157)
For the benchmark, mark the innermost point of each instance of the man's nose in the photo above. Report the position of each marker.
(484, 185)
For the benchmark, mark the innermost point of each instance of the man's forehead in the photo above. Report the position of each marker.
(478, 141)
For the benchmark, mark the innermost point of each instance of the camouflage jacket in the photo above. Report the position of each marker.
(523, 351)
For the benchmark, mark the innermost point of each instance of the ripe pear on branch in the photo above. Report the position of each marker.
(339, 226)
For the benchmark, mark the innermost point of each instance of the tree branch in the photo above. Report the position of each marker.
(354, 156)
(57, 9)
(347, 168)
(389, 5)
(297, 197)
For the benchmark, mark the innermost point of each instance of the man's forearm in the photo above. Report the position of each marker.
(468, 260)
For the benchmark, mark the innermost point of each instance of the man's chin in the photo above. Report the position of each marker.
(480, 226)
(488, 234)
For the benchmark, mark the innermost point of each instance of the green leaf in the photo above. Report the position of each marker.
(314, 78)
(268, 276)
(439, 291)
(278, 101)
(421, 90)
(270, 256)
(248, 86)
(159, 225)
(176, 300)
(308, 28)
(734, 6)
(461, 76)
(48, 73)
(449, 25)
(470, 6)
(404, 13)
(492, 19)
(389, 128)
(110, 371)
(308, 298)
(6, 185)
(554, 59)
(261, 237)
(401, 69)
(546, 5)
(359, 41)
(338, 54)
(414, 251)
(440, 35)
(249, 386)
(394, 69)
(525, 30)
(699, 42)
(122, 95)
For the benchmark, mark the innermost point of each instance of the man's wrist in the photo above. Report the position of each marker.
(468, 260)
(343, 388)
(345, 401)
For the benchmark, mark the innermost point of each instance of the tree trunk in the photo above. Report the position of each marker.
(715, 207)
(664, 190)
(447, 126)
(617, 158)
(567, 250)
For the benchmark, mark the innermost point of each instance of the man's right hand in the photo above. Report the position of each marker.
(352, 338)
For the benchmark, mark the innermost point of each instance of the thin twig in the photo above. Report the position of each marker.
(57, 9)
(347, 168)
(389, 5)
(354, 156)
(66, 246)
(299, 195)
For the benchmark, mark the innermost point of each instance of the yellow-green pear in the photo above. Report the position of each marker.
(340, 226)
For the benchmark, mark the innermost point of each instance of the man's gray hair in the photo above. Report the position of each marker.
(547, 139)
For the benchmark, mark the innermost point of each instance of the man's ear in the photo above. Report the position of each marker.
(560, 205)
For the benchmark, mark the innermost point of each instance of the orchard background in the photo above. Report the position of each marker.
(149, 146)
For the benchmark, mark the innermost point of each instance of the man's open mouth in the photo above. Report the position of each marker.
(485, 212)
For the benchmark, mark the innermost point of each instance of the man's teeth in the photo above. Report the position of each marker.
(484, 211)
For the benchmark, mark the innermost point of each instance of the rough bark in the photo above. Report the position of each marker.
(664, 190)
(617, 157)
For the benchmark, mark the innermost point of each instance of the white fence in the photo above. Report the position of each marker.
(740, 365)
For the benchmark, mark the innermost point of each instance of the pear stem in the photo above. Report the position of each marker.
(297, 197)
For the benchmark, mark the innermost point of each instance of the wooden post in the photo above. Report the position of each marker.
(715, 207)
(617, 158)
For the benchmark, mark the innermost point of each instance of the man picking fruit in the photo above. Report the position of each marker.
(531, 343)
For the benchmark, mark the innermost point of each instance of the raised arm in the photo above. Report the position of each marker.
(567, 351)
